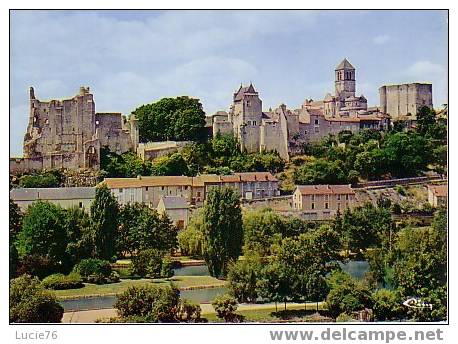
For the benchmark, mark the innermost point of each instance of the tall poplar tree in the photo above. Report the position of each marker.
(223, 232)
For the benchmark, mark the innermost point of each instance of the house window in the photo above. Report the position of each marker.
(162, 187)
(326, 205)
(80, 204)
(346, 197)
(186, 187)
(338, 197)
(198, 193)
(316, 122)
(254, 122)
(313, 205)
(146, 188)
(317, 130)
(312, 197)
(120, 190)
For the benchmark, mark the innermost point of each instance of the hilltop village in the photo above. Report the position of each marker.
(315, 199)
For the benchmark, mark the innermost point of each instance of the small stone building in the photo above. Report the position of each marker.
(176, 208)
(320, 202)
(437, 194)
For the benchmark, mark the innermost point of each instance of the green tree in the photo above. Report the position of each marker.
(141, 227)
(346, 295)
(222, 227)
(225, 307)
(243, 277)
(148, 262)
(15, 221)
(306, 260)
(406, 154)
(170, 165)
(322, 171)
(421, 264)
(77, 223)
(31, 303)
(367, 226)
(125, 165)
(46, 179)
(191, 239)
(43, 232)
(104, 223)
(259, 229)
(387, 305)
(180, 118)
(426, 119)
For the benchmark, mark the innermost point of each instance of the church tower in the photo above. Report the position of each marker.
(345, 80)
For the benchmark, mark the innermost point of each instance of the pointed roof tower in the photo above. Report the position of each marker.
(345, 65)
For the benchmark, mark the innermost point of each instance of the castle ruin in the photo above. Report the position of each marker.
(69, 134)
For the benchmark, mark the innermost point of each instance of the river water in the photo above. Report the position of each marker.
(356, 269)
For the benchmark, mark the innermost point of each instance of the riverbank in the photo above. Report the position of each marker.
(182, 283)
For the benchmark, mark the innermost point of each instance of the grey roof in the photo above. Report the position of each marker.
(242, 90)
(33, 194)
(174, 202)
(344, 65)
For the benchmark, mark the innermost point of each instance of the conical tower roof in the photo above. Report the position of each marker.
(344, 65)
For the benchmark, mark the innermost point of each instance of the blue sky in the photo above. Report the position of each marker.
(129, 58)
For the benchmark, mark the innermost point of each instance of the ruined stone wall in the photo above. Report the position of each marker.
(111, 132)
(69, 134)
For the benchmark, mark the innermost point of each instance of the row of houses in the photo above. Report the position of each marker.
(179, 196)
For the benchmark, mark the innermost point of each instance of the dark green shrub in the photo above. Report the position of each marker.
(37, 265)
(49, 179)
(225, 307)
(158, 304)
(94, 270)
(60, 281)
(30, 302)
(152, 263)
(167, 268)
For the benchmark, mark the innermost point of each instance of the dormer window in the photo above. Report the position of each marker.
(248, 103)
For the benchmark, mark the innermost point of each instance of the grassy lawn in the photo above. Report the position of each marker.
(115, 288)
(293, 313)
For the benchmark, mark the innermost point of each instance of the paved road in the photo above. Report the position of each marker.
(93, 315)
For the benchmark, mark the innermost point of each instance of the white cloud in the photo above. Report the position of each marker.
(380, 39)
(424, 70)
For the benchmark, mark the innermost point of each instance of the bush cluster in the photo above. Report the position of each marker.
(31, 303)
(155, 304)
(61, 281)
(96, 271)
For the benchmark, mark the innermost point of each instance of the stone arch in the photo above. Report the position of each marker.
(91, 158)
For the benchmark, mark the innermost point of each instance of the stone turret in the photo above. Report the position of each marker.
(345, 81)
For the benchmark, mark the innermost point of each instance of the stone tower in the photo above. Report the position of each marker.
(246, 115)
(345, 80)
(134, 133)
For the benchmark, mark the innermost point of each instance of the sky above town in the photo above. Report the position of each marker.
(129, 58)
